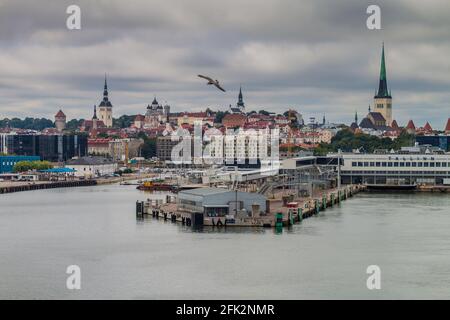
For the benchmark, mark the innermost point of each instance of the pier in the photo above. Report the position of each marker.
(45, 185)
(281, 213)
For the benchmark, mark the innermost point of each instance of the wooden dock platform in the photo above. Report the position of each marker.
(279, 217)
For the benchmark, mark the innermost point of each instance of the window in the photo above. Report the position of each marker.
(390, 164)
(414, 164)
(402, 164)
(395, 164)
(372, 164)
(420, 164)
(426, 164)
(354, 164)
(378, 164)
(408, 164)
(384, 164)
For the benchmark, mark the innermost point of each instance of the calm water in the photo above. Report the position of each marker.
(42, 232)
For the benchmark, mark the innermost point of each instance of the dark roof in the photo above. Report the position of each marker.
(89, 161)
(366, 124)
(354, 126)
(105, 103)
(377, 116)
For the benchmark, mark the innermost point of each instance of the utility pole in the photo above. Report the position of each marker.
(339, 169)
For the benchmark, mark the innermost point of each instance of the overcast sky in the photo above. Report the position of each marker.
(316, 56)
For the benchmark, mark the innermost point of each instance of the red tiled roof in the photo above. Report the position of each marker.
(394, 125)
(447, 127)
(411, 125)
(427, 127)
(98, 141)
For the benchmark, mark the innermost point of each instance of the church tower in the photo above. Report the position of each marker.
(95, 119)
(383, 98)
(105, 108)
(240, 104)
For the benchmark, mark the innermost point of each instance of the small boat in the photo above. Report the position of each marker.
(156, 186)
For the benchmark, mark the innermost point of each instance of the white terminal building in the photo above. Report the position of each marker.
(92, 167)
(410, 166)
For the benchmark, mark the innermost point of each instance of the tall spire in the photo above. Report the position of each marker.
(383, 65)
(105, 90)
(382, 87)
(95, 113)
(240, 103)
(356, 116)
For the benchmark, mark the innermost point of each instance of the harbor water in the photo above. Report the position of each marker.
(325, 257)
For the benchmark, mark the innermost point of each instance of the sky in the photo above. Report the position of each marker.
(314, 56)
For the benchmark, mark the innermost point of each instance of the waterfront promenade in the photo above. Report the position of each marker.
(20, 186)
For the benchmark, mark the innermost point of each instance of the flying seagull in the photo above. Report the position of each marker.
(212, 82)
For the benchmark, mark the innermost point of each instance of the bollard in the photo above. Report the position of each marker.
(291, 218)
(279, 220)
(300, 214)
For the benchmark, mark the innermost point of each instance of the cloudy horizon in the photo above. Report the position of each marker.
(316, 57)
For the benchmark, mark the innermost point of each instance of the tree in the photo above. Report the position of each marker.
(149, 148)
(23, 166)
(74, 124)
(27, 123)
(124, 121)
(348, 141)
(220, 115)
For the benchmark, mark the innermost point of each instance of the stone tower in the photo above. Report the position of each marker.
(105, 108)
(383, 98)
(60, 121)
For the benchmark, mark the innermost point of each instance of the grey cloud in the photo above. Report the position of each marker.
(317, 56)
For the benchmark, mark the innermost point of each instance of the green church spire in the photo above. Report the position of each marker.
(382, 88)
(383, 66)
